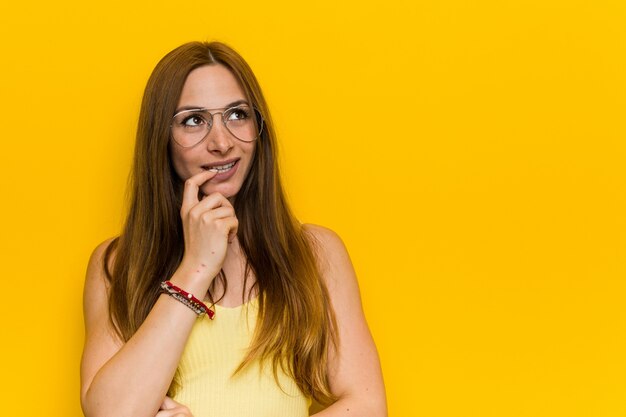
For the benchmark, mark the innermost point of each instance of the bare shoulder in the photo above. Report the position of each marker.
(95, 268)
(97, 256)
(327, 244)
(332, 257)
(95, 296)
(354, 373)
(324, 238)
(101, 342)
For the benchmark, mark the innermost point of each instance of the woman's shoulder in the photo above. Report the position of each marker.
(96, 261)
(101, 248)
(326, 241)
(331, 254)
(95, 280)
(321, 233)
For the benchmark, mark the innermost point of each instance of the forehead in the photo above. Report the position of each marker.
(210, 86)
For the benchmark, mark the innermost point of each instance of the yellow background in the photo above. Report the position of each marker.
(470, 153)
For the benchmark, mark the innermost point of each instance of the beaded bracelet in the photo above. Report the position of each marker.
(187, 299)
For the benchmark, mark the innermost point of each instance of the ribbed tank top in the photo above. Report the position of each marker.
(204, 380)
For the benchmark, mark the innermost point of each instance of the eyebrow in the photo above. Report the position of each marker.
(228, 106)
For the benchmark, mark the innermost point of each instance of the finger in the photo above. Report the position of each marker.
(232, 235)
(171, 408)
(218, 213)
(210, 202)
(231, 225)
(215, 200)
(169, 403)
(192, 186)
(174, 413)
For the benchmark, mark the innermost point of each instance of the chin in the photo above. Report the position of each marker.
(227, 190)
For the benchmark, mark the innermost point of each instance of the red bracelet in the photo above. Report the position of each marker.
(188, 299)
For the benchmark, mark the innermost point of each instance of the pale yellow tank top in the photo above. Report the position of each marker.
(204, 380)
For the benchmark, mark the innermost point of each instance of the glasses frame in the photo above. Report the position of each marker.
(223, 110)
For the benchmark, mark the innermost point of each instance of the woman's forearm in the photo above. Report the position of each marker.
(135, 380)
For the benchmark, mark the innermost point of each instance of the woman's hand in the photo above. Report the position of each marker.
(208, 225)
(171, 408)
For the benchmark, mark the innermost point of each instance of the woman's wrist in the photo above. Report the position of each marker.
(186, 298)
(193, 277)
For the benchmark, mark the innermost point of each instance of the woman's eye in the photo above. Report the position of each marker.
(237, 114)
(193, 120)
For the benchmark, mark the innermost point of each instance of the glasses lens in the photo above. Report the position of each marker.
(244, 122)
(190, 127)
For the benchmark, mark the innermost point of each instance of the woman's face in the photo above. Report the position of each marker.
(213, 87)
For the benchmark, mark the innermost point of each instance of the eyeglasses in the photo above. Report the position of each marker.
(190, 127)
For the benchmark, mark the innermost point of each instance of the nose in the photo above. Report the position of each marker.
(219, 139)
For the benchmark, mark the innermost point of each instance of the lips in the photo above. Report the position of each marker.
(221, 166)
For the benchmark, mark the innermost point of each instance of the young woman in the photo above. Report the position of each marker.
(214, 300)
